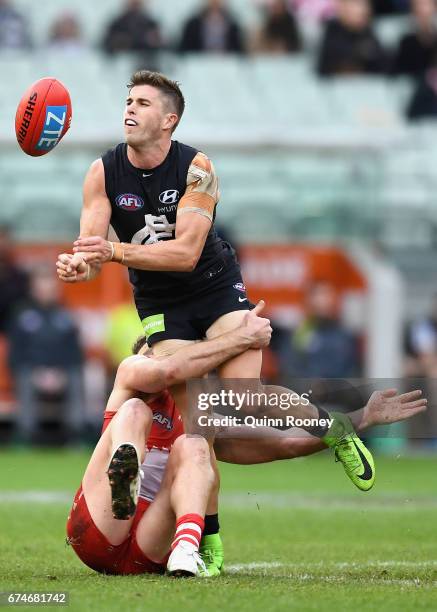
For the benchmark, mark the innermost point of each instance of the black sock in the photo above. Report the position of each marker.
(211, 524)
(319, 431)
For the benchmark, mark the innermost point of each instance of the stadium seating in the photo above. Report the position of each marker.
(94, 16)
(295, 155)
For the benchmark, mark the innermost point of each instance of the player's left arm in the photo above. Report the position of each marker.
(193, 222)
(141, 373)
(247, 446)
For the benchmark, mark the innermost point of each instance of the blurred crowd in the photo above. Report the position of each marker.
(43, 349)
(348, 43)
(53, 376)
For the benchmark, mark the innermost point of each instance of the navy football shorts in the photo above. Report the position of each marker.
(190, 319)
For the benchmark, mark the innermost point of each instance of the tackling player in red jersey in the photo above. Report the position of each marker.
(104, 527)
(177, 470)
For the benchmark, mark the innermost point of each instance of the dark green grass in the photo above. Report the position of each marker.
(324, 545)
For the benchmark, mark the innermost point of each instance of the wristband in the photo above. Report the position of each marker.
(117, 252)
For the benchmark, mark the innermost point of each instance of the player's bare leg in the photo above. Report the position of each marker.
(246, 365)
(250, 364)
(182, 501)
(211, 546)
(339, 435)
(131, 424)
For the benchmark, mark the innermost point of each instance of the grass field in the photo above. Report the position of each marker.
(297, 537)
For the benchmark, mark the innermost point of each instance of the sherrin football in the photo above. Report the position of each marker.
(43, 116)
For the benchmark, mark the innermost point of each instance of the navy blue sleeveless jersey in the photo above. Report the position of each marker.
(144, 205)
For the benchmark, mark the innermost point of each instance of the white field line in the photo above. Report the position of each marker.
(36, 497)
(362, 501)
(265, 501)
(264, 567)
(393, 564)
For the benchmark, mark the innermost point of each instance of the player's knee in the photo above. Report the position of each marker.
(135, 410)
(192, 448)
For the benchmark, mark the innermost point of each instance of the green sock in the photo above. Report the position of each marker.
(341, 426)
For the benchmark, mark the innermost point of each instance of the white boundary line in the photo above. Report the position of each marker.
(400, 502)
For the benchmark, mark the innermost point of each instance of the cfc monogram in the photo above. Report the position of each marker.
(156, 228)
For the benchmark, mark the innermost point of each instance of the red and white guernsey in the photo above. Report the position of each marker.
(166, 428)
(167, 422)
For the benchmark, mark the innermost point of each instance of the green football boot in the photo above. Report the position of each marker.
(351, 452)
(211, 551)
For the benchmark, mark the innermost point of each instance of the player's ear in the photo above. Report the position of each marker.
(169, 122)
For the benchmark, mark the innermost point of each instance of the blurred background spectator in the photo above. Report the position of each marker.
(46, 360)
(314, 10)
(349, 45)
(66, 35)
(279, 31)
(14, 28)
(421, 362)
(213, 29)
(13, 279)
(390, 7)
(133, 30)
(422, 345)
(423, 104)
(320, 346)
(123, 329)
(417, 50)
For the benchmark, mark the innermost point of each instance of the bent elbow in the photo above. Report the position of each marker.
(189, 263)
(171, 375)
(124, 372)
(193, 261)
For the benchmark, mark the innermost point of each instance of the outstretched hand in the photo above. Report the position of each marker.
(385, 407)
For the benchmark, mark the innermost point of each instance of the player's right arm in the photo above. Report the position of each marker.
(94, 221)
(155, 375)
(247, 446)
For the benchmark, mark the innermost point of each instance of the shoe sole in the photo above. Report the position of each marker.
(181, 574)
(123, 470)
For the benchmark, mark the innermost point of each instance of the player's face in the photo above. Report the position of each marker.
(144, 116)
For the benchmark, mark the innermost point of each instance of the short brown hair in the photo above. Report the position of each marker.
(138, 344)
(170, 89)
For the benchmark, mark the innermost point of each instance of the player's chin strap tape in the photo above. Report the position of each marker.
(117, 252)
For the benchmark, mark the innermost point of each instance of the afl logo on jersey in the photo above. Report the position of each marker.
(171, 196)
(129, 201)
